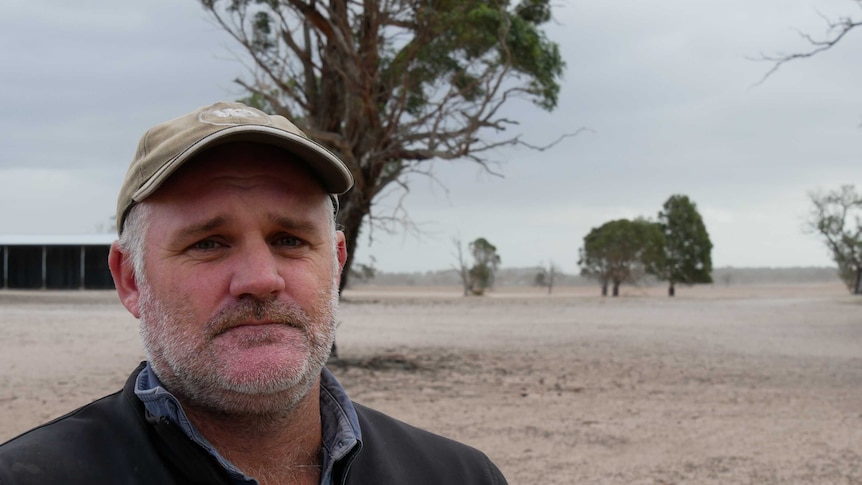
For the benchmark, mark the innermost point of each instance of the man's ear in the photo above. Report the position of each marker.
(340, 250)
(123, 272)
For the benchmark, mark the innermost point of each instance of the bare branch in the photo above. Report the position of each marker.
(557, 141)
(836, 30)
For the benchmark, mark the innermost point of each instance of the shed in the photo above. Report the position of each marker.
(55, 261)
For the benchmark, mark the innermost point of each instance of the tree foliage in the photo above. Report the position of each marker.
(477, 278)
(836, 216)
(620, 251)
(391, 85)
(687, 254)
(485, 264)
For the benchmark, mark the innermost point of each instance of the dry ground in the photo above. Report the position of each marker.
(738, 385)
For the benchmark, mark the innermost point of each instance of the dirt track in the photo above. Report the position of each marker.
(740, 385)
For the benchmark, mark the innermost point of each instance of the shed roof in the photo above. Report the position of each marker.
(102, 239)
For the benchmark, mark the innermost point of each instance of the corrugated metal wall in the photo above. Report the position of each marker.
(24, 267)
(97, 275)
(55, 267)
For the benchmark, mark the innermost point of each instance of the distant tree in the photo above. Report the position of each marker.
(592, 260)
(837, 217)
(539, 280)
(687, 252)
(547, 276)
(462, 268)
(620, 251)
(486, 261)
(477, 278)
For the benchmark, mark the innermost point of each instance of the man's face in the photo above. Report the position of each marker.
(238, 299)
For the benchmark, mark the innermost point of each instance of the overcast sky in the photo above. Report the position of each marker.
(666, 86)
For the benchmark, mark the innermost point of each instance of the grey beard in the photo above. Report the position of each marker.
(195, 379)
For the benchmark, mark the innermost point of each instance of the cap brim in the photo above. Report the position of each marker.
(330, 170)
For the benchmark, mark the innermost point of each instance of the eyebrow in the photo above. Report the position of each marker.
(200, 228)
(294, 224)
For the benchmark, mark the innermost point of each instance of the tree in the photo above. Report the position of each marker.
(592, 260)
(547, 276)
(391, 86)
(479, 277)
(687, 252)
(539, 279)
(837, 217)
(486, 261)
(463, 269)
(620, 251)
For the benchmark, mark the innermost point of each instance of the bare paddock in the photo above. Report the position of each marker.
(738, 385)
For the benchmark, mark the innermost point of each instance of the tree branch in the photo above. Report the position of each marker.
(842, 26)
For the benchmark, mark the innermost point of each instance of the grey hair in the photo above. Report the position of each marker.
(132, 239)
(333, 227)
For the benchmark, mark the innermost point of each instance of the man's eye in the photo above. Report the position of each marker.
(288, 241)
(205, 245)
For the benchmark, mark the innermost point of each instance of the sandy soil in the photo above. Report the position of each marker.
(737, 385)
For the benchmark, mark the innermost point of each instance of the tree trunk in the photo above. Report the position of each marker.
(858, 282)
(616, 289)
(671, 291)
(604, 289)
(353, 210)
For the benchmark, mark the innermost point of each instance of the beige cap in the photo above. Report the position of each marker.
(166, 147)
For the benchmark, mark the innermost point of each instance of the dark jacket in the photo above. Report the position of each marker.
(113, 440)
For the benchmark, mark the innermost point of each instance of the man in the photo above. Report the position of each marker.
(229, 256)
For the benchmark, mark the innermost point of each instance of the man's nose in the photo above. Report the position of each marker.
(256, 272)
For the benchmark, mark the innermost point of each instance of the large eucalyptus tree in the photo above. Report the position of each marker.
(391, 85)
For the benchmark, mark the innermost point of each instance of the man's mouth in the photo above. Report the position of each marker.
(253, 323)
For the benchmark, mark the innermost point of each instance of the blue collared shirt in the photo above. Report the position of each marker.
(338, 418)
